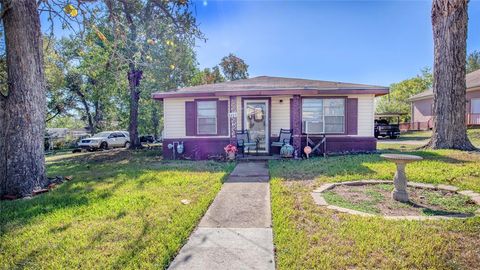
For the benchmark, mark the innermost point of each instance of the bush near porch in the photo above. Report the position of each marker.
(308, 236)
(122, 209)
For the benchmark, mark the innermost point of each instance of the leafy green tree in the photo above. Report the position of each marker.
(207, 76)
(397, 100)
(160, 79)
(138, 26)
(234, 68)
(93, 79)
(473, 61)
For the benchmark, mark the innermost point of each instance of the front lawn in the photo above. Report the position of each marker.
(122, 209)
(308, 236)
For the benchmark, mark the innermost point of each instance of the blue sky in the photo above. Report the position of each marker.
(373, 42)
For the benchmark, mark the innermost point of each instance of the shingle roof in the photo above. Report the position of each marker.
(262, 84)
(472, 78)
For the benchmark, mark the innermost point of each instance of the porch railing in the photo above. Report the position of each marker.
(473, 119)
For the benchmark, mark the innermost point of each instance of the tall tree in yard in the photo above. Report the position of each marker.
(234, 68)
(22, 116)
(473, 61)
(142, 24)
(449, 21)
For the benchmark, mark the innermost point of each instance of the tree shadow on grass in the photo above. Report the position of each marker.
(346, 165)
(85, 189)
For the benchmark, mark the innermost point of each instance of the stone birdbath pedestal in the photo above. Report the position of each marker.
(399, 193)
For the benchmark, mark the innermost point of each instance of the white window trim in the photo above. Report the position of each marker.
(323, 115)
(471, 105)
(200, 117)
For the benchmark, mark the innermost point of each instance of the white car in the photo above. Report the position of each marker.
(105, 140)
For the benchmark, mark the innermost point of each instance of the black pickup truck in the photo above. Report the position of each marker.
(383, 128)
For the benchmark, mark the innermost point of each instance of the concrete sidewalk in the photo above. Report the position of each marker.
(235, 233)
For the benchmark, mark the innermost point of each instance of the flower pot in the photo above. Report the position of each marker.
(231, 156)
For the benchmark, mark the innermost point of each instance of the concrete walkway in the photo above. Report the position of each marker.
(235, 233)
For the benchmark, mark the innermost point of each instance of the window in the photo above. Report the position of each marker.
(323, 115)
(207, 117)
(476, 105)
(119, 135)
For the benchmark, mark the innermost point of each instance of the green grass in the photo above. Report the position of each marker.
(364, 206)
(308, 236)
(122, 210)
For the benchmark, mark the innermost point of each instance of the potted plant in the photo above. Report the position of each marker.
(230, 150)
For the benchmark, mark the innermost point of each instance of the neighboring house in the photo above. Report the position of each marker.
(422, 105)
(206, 118)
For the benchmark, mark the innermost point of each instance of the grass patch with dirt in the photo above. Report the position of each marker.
(308, 236)
(376, 199)
(122, 209)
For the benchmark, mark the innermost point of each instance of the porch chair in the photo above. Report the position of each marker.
(243, 140)
(284, 138)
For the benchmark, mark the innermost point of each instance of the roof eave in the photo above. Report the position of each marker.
(264, 92)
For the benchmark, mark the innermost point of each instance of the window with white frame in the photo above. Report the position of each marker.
(323, 115)
(207, 117)
(475, 105)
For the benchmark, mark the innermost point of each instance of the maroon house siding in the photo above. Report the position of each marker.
(222, 117)
(190, 118)
(342, 144)
(203, 148)
(352, 116)
(196, 148)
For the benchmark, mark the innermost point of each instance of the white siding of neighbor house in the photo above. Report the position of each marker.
(174, 118)
(174, 115)
(280, 117)
(366, 114)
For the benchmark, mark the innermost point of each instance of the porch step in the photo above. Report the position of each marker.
(249, 158)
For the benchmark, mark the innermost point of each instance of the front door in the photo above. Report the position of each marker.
(256, 122)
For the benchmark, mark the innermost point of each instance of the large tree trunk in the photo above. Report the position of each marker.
(22, 164)
(134, 77)
(86, 107)
(155, 120)
(449, 21)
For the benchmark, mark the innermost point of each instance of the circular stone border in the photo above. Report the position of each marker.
(320, 200)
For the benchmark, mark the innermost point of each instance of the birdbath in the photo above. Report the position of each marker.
(399, 193)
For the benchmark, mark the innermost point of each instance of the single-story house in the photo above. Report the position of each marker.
(422, 105)
(206, 118)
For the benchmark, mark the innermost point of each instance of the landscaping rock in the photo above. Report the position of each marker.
(325, 187)
(421, 185)
(476, 199)
(447, 187)
(184, 201)
(467, 193)
(349, 211)
(318, 199)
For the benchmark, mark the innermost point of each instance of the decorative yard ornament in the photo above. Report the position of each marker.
(287, 151)
(230, 150)
(258, 114)
(400, 180)
(307, 150)
(180, 148)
